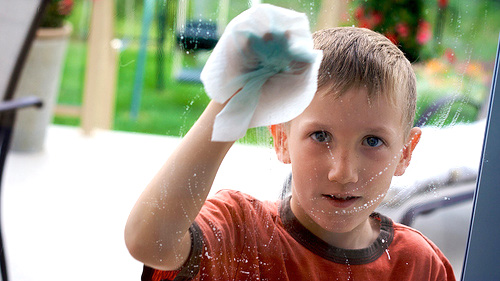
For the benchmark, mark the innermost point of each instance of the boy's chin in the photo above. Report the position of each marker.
(342, 224)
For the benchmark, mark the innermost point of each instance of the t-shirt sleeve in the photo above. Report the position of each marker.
(151, 274)
(430, 263)
(215, 236)
(190, 267)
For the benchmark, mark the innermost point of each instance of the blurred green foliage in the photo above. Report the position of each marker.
(467, 35)
(402, 21)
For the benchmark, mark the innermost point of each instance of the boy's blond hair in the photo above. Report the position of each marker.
(358, 57)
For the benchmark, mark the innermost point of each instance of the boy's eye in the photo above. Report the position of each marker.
(372, 141)
(321, 136)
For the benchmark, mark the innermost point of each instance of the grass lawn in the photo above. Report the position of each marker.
(173, 109)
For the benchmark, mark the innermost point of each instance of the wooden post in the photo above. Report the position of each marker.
(100, 76)
(223, 16)
(331, 13)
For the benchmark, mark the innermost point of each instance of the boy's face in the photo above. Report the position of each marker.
(344, 153)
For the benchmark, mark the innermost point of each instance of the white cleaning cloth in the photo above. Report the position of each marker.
(267, 54)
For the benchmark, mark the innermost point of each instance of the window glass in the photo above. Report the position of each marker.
(157, 93)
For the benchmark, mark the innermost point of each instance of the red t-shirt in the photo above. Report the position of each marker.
(237, 237)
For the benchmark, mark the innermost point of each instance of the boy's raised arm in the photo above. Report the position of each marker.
(243, 61)
(157, 228)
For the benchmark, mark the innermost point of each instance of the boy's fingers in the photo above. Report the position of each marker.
(267, 36)
(298, 67)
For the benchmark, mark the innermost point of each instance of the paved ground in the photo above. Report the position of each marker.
(64, 209)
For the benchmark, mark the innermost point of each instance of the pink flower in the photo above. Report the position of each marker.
(402, 29)
(450, 55)
(424, 33)
(376, 17)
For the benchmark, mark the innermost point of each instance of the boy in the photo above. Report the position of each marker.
(344, 149)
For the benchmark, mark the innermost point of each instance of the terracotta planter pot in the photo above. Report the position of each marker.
(40, 77)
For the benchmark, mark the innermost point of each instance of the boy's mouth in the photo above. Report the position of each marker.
(340, 200)
(340, 197)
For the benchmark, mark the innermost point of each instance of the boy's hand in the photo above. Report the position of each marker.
(267, 53)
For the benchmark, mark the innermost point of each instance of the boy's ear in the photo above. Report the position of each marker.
(404, 162)
(280, 142)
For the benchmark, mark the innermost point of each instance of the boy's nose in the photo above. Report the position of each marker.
(343, 168)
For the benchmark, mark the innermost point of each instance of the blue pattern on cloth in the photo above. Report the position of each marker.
(262, 54)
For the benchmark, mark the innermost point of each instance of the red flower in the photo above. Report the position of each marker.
(359, 13)
(65, 7)
(391, 36)
(402, 29)
(365, 24)
(376, 17)
(450, 55)
(373, 19)
(442, 3)
(424, 33)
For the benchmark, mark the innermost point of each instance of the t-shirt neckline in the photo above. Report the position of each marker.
(338, 255)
